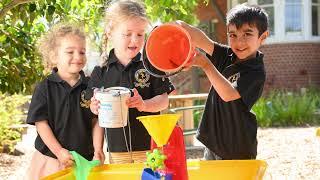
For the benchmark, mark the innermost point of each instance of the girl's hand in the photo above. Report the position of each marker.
(94, 105)
(99, 155)
(65, 158)
(136, 101)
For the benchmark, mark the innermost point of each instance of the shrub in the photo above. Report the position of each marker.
(282, 108)
(11, 113)
(198, 112)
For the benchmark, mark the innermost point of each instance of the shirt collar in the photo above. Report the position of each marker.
(113, 58)
(257, 59)
(54, 76)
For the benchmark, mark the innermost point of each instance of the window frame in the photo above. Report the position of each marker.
(315, 5)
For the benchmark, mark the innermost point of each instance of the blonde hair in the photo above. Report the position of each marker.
(119, 11)
(48, 43)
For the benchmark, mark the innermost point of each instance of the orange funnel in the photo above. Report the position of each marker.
(160, 126)
(169, 48)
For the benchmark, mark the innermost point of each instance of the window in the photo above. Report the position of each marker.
(315, 16)
(233, 3)
(208, 28)
(267, 5)
(293, 16)
(242, 1)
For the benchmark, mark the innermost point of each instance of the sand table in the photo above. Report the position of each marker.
(291, 153)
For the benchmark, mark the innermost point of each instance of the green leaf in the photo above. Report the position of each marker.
(183, 11)
(74, 4)
(51, 10)
(3, 38)
(32, 7)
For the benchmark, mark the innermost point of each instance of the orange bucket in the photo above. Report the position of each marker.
(169, 48)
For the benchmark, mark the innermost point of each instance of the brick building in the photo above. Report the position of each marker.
(292, 52)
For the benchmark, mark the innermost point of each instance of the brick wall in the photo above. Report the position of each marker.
(292, 66)
(288, 66)
(206, 13)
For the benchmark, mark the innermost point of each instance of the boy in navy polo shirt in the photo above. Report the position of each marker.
(228, 128)
(58, 109)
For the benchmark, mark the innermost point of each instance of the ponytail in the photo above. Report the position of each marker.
(104, 53)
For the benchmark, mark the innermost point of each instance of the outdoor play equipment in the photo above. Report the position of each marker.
(197, 169)
(168, 49)
(82, 166)
(168, 138)
(318, 132)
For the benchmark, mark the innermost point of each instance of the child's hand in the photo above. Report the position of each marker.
(94, 105)
(200, 60)
(197, 36)
(99, 155)
(136, 101)
(65, 158)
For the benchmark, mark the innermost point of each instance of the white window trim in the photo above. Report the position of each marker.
(280, 35)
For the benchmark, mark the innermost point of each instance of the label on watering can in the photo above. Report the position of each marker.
(113, 112)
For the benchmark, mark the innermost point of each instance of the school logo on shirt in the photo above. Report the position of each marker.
(142, 78)
(83, 102)
(233, 79)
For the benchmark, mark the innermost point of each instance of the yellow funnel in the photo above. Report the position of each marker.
(160, 126)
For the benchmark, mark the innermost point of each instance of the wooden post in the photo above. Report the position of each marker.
(186, 122)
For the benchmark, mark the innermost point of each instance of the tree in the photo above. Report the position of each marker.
(23, 21)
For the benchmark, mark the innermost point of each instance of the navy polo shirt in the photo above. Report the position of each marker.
(131, 76)
(229, 129)
(67, 112)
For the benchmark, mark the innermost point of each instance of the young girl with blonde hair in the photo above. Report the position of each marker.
(126, 25)
(58, 109)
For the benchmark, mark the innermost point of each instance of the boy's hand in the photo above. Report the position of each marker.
(65, 158)
(198, 37)
(136, 101)
(99, 155)
(199, 60)
(94, 105)
(196, 34)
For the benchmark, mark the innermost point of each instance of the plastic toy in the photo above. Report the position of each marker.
(83, 166)
(155, 160)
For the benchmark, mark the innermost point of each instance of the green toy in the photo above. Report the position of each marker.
(155, 160)
(83, 166)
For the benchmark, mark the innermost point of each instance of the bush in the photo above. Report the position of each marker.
(282, 108)
(197, 114)
(11, 112)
